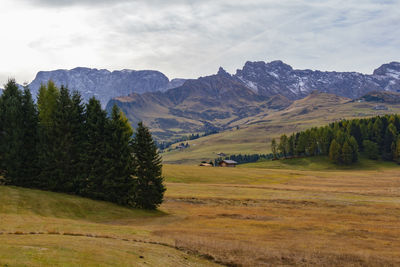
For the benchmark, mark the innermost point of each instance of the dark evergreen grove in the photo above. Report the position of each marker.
(377, 138)
(63, 145)
(245, 158)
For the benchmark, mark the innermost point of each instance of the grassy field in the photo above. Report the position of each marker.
(320, 163)
(268, 213)
(255, 133)
(40, 228)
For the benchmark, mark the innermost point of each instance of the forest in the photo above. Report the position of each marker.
(343, 141)
(61, 144)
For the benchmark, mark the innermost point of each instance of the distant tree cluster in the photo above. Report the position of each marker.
(62, 145)
(377, 137)
(165, 145)
(241, 159)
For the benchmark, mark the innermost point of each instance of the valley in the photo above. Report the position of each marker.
(199, 133)
(252, 135)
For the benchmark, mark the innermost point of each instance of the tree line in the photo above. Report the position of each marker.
(245, 158)
(377, 137)
(63, 145)
(166, 145)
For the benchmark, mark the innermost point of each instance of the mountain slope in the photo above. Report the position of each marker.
(382, 97)
(205, 104)
(105, 84)
(223, 101)
(254, 134)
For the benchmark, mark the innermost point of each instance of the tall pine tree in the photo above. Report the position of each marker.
(11, 133)
(149, 188)
(118, 182)
(29, 155)
(95, 153)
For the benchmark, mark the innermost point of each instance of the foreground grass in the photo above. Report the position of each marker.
(39, 228)
(248, 216)
(287, 217)
(60, 250)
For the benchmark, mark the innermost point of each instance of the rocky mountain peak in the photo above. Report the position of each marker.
(279, 66)
(276, 77)
(390, 69)
(222, 72)
(104, 84)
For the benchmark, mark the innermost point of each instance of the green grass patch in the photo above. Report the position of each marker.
(16, 200)
(319, 163)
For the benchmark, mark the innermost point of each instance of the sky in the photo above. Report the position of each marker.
(192, 38)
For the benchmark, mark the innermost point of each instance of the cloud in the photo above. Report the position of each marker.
(69, 3)
(193, 38)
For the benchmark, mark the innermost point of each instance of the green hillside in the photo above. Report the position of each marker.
(39, 228)
(254, 134)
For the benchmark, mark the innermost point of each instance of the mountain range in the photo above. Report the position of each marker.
(104, 84)
(218, 102)
(179, 106)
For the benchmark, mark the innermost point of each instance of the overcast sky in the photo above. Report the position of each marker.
(191, 38)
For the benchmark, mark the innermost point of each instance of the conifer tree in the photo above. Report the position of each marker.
(389, 139)
(274, 148)
(11, 133)
(149, 188)
(334, 152)
(302, 144)
(291, 145)
(397, 151)
(29, 155)
(118, 183)
(47, 103)
(66, 142)
(354, 147)
(370, 149)
(377, 130)
(47, 106)
(284, 145)
(95, 153)
(347, 154)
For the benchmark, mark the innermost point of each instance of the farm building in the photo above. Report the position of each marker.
(227, 163)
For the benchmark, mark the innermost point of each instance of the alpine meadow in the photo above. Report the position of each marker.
(200, 133)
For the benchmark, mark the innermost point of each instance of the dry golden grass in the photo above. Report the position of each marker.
(242, 217)
(336, 218)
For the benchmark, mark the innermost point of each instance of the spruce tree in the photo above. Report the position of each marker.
(118, 183)
(67, 142)
(149, 188)
(95, 153)
(29, 155)
(11, 133)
